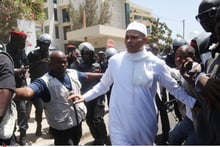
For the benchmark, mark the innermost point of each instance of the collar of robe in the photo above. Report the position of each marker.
(141, 55)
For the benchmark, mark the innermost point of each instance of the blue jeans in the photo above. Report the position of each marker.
(183, 133)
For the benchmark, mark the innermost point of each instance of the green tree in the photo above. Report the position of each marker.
(160, 34)
(11, 10)
(96, 12)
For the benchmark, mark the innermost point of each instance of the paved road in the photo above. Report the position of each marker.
(46, 140)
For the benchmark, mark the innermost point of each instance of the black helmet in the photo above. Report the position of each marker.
(207, 9)
(206, 14)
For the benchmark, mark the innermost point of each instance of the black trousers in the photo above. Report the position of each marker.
(163, 117)
(22, 114)
(95, 120)
(37, 102)
(70, 136)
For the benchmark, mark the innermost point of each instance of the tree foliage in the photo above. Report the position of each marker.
(11, 10)
(96, 12)
(160, 34)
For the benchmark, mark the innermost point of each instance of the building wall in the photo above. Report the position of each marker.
(101, 43)
(118, 19)
(118, 14)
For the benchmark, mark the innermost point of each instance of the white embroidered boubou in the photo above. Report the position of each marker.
(142, 69)
(143, 74)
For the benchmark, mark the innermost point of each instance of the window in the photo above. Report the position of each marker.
(65, 30)
(66, 17)
(57, 35)
(55, 14)
(46, 29)
(127, 13)
(46, 12)
(136, 17)
(145, 18)
(148, 29)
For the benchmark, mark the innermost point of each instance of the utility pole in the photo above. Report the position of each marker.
(84, 19)
(84, 22)
(183, 28)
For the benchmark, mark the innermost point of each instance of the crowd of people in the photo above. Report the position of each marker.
(138, 83)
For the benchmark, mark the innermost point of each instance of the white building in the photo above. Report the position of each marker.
(58, 23)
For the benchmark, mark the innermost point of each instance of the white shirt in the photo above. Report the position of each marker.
(132, 110)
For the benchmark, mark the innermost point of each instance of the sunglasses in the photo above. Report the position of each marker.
(205, 15)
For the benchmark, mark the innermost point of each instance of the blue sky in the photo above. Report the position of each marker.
(173, 12)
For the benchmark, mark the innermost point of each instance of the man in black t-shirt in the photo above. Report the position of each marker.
(7, 88)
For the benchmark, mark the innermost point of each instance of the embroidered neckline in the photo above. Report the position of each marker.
(143, 54)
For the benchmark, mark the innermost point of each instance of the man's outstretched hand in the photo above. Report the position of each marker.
(76, 98)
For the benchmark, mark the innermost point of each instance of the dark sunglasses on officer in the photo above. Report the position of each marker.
(205, 15)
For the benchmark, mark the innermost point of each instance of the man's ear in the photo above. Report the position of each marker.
(145, 39)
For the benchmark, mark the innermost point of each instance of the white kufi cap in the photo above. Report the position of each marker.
(137, 26)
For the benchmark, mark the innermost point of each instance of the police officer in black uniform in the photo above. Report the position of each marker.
(96, 107)
(16, 50)
(206, 17)
(39, 61)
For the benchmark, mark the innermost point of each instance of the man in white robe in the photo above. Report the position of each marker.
(134, 74)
